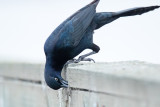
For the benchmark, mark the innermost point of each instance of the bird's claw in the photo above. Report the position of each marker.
(83, 59)
(78, 60)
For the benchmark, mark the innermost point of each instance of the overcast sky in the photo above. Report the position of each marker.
(26, 24)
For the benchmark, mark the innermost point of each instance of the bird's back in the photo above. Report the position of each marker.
(70, 32)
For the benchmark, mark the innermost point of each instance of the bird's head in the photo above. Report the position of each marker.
(54, 80)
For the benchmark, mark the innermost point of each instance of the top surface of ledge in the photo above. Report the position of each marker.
(128, 69)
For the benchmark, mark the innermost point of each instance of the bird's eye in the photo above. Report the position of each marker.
(56, 79)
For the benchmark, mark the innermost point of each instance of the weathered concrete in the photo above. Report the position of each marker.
(120, 84)
(25, 71)
(23, 94)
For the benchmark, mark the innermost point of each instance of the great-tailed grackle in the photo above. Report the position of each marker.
(74, 35)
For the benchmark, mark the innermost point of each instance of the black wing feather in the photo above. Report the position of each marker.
(76, 25)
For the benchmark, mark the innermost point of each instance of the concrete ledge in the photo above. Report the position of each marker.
(120, 84)
(24, 71)
(125, 79)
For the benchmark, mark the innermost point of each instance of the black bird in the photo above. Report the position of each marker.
(74, 35)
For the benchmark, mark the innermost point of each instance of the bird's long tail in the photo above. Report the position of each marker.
(135, 11)
(103, 18)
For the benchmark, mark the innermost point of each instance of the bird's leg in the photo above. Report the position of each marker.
(83, 57)
(95, 49)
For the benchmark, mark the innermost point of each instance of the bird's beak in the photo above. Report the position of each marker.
(64, 84)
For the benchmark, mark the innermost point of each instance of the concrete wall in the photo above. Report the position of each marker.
(121, 84)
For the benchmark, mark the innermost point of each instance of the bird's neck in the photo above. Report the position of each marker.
(56, 65)
(51, 67)
(49, 70)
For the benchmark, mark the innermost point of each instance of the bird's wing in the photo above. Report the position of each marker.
(77, 24)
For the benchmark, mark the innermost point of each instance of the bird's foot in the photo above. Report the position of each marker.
(81, 58)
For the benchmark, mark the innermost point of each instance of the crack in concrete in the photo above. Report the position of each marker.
(22, 80)
(104, 93)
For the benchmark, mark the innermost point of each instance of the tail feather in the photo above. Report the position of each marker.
(135, 11)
